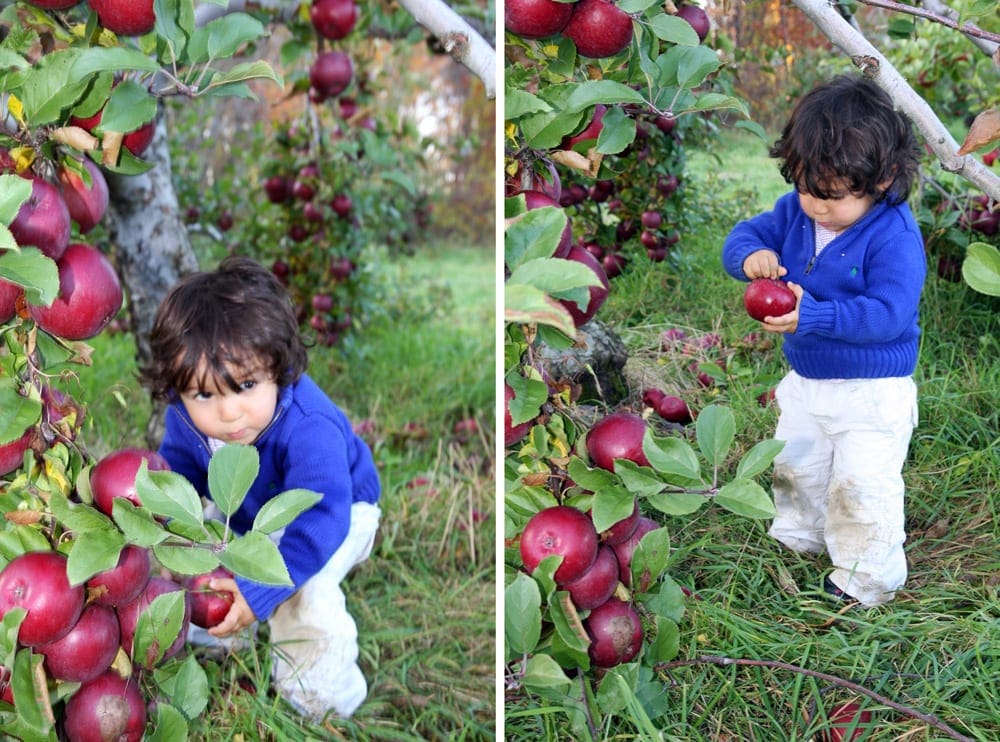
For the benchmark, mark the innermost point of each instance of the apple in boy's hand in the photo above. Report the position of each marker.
(768, 297)
(208, 606)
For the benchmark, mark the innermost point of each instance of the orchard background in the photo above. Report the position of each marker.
(631, 149)
(366, 183)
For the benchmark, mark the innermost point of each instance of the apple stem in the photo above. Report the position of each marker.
(929, 719)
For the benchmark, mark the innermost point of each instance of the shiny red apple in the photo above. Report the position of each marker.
(563, 531)
(768, 297)
(114, 476)
(37, 582)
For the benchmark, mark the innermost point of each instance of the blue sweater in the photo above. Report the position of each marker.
(309, 444)
(858, 318)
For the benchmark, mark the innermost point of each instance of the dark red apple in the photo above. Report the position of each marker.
(564, 531)
(590, 132)
(331, 73)
(990, 157)
(114, 476)
(87, 650)
(697, 18)
(278, 189)
(341, 268)
(598, 294)
(86, 204)
(123, 582)
(537, 200)
(599, 28)
(617, 436)
(597, 584)
(621, 531)
(674, 409)
(342, 205)
(626, 549)
(536, 19)
(512, 434)
(615, 632)
(90, 295)
(614, 263)
(208, 606)
(9, 294)
(125, 17)
(333, 19)
(768, 297)
(43, 220)
(225, 221)
(841, 719)
(651, 397)
(37, 582)
(109, 707)
(128, 619)
(651, 219)
(12, 454)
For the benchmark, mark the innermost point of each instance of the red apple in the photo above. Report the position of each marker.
(651, 219)
(615, 632)
(12, 454)
(536, 19)
(37, 582)
(114, 476)
(208, 606)
(564, 531)
(990, 157)
(599, 28)
(768, 297)
(590, 132)
(697, 18)
(331, 73)
(43, 220)
(125, 17)
(674, 409)
(86, 204)
(109, 707)
(512, 434)
(841, 719)
(278, 189)
(128, 619)
(333, 19)
(9, 294)
(597, 584)
(622, 531)
(614, 263)
(87, 650)
(617, 436)
(626, 549)
(651, 397)
(89, 295)
(598, 294)
(123, 582)
(342, 205)
(341, 268)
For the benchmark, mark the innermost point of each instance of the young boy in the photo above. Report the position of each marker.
(849, 247)
(228, 358)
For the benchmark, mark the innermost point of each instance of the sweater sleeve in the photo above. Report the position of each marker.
(319, 459)
(764, 231)
(182, 451)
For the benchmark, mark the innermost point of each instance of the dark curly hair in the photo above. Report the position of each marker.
(238, 316)
(846, 134)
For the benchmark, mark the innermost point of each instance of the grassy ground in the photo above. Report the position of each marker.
(424, 602)
(934, 650)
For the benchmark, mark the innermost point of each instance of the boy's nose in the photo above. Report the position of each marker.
(229, 408)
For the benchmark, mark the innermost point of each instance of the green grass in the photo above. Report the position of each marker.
(935, 648)
(424, 601)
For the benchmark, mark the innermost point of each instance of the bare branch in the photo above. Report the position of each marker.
(947, 18)
(875, 65)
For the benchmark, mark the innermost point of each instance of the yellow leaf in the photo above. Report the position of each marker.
(16, 108)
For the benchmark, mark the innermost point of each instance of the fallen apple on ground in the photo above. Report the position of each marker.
(563, 531)
(615, 631)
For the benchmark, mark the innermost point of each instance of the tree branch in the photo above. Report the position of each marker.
(946, 18)
(458, 38)
(875, 65)
(877, 697)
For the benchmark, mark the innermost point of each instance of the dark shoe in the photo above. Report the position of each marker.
(835, 592)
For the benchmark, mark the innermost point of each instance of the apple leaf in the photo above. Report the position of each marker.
(223, 37)
(610, 505)
(981, 268)
(231, 472)
(560, 279)
(569, 628)
(254, 556)
(719, 102)
(676, 503)
(175, 25)
(243, 72)
(185, 686)
(617, 132)
(667, 643)
(17, 413)
(590, 479)
(33, 720)
(668, 601)
(650, 559)
(716, 431)
(37, 273)
(10, 625)
(130, 106)
(526, 304)
(279, 511)
(93, 551)
(745, 497)
(639, 480)
(138, 524)
(759, 458)
(674, 29)
(14, 191)
(78, 518)
(544, 676)
(694, 64)
(522, 616)
(184, 559)
(533, 235)
(20, 540)
(673, 459)
(168, 494)
(529, 396)
(171, 725)
(519, 102)
(158, 627)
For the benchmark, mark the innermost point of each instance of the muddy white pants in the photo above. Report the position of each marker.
(838, 481)
(315, 638)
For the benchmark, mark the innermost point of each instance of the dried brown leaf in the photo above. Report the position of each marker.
(984, 131)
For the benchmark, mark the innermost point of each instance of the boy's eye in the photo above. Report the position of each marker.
(247, 385)
(201, 396)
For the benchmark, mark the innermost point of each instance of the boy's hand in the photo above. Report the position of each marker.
(239, 617)
(786, 322)
(763, 264)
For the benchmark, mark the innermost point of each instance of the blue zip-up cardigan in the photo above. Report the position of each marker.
(858, 318)
(309, 444)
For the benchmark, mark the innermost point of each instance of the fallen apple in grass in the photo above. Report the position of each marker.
(597, 584)
(563, 531)
(768, 297)
(617, 436)
(615, 631)
(208, 606)
(109, 707)
(842, 718)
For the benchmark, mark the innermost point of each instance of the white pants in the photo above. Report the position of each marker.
(838, 481)
(315, 638)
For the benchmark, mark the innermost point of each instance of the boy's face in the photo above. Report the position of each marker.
(835, 214)
(234, 417)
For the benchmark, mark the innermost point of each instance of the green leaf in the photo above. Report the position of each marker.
(610, 505)
(183, 559)
(529, 396)
(617, 132)
(759, 458)
(279, 511)
(532, 235)
(526, 304)
(673, 29)
(14, 191)
(223, 37)
(138, 524)
(168, 494)
(112, 59)
(673, 459)
(254, 556)
(231, 472)
(522, 616)
(170, 726)
(78, 518)
(93, 551)
(37, 273)
(17, 413)
(258, 70)
(10, 625)
(158, 627)
(519, 102)
(639, 480)
(570, 630)
(668, 601)
(676, 503)
(543, 675)
(130, 106)
(667, 643)
(32, 712)
(174, 26)
(694, 64)
(981, 268)
(557, 278)
(650, 559)
(585, 95)
(185, 686)
(745, 497)
(588, 478)
(51, 87)
(20, 540)
(616, 688)
(716, 430)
